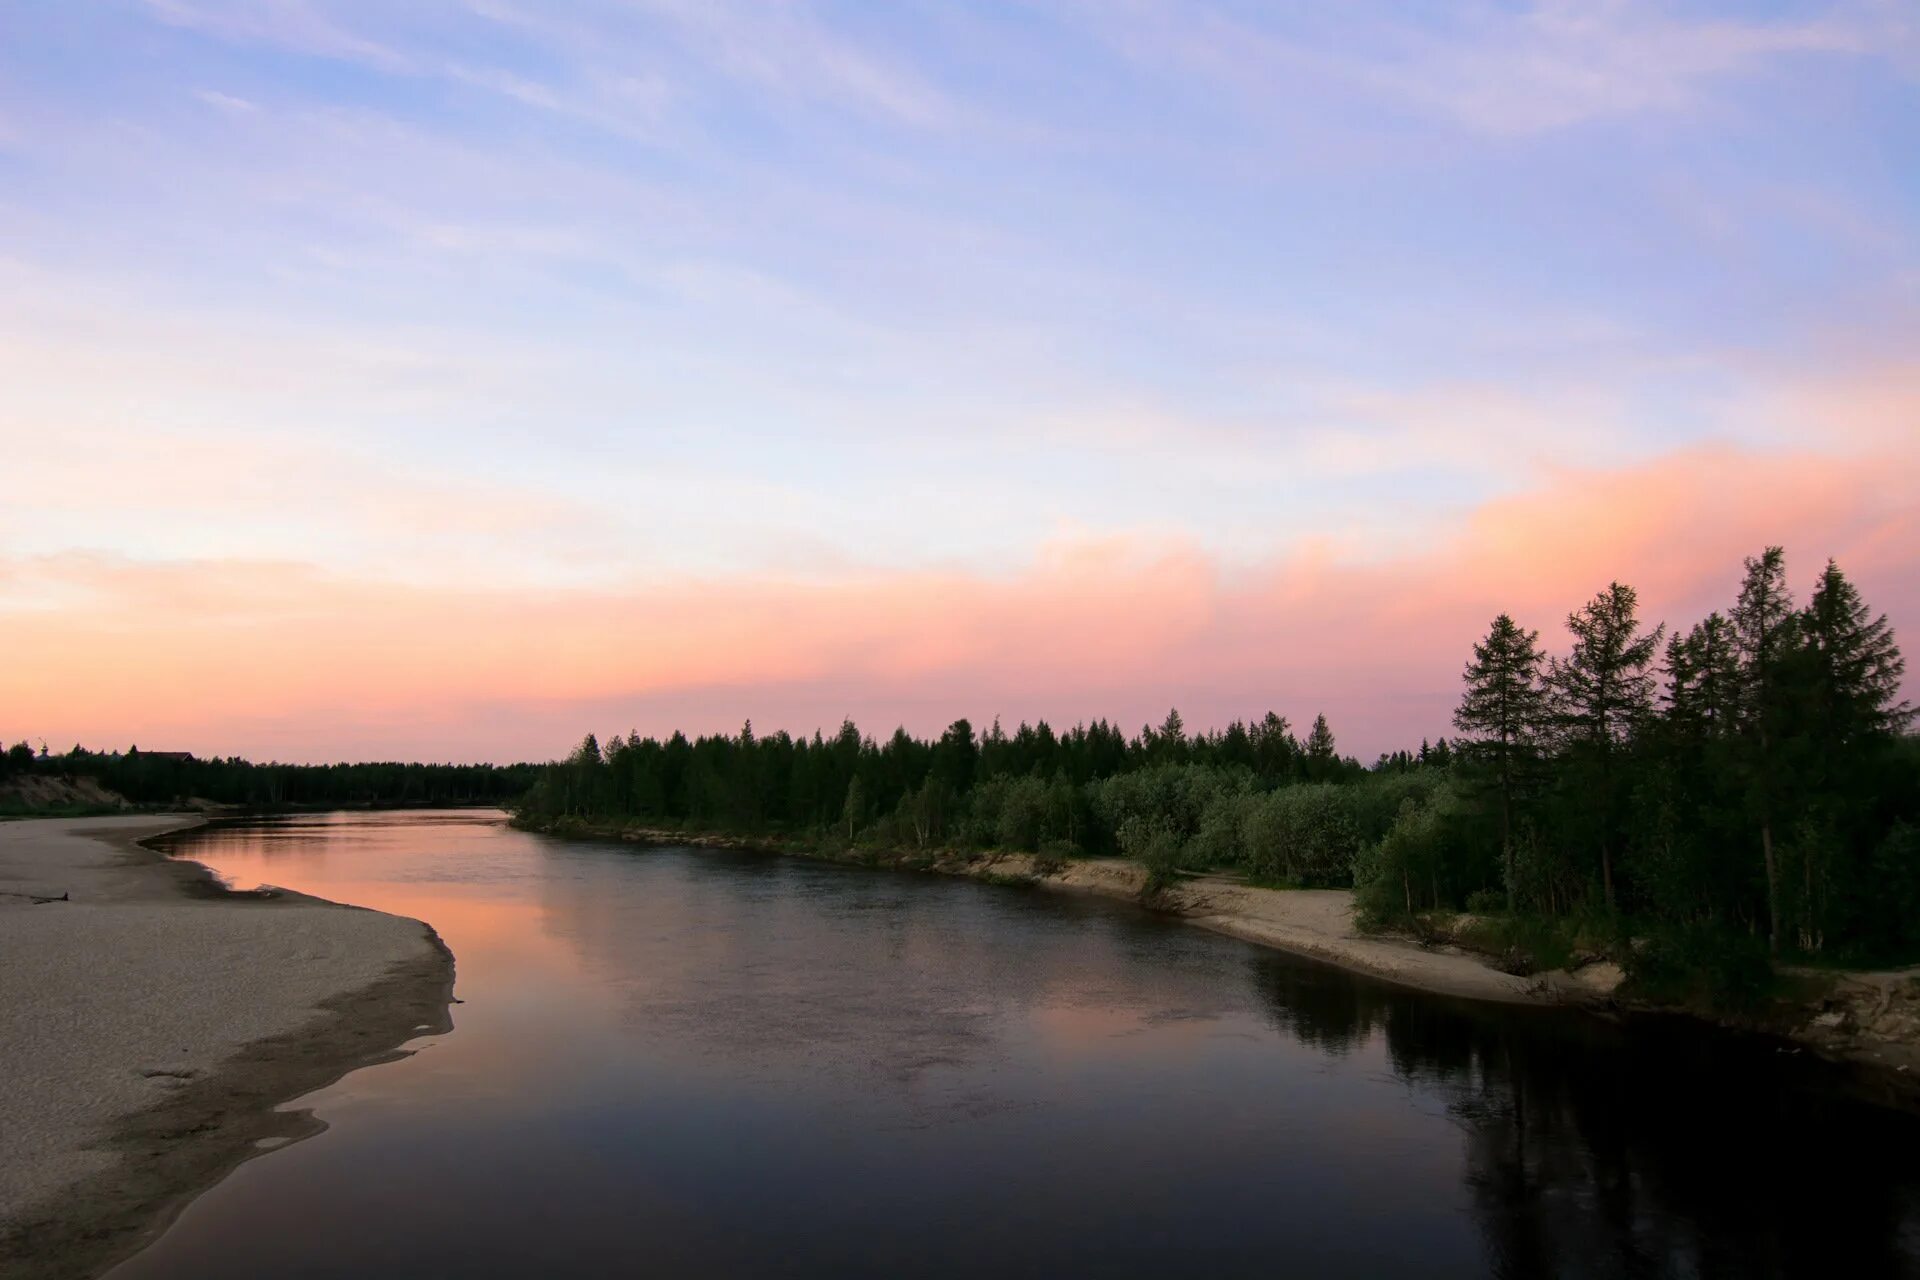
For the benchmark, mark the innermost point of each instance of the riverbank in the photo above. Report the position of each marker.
(1867, 1022)
(152, 1022)
(1317, 923)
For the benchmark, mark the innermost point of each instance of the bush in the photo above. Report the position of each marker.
(1220, 840)
(1051, 859)
(1884, 911)
(1486, 902)
(1302, 834)
(1171, 798)
(1523, 945)
(1699, 966)
(1375, 802)
(1160, 853)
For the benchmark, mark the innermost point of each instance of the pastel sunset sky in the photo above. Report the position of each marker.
(447, 379)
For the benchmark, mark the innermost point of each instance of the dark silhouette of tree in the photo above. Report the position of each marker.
(1321, 755)
(1577, 789)
(1764, 626)
(1505, 707)
(1602, 692)
(1856, 666)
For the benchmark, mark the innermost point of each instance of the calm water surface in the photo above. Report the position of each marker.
(672, 1063)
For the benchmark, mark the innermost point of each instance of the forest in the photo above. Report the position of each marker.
(1716, 797)
(160, 778)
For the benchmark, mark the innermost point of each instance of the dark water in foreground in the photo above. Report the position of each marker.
(680, 1064)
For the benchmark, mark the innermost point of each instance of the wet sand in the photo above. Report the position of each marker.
(151, 1022)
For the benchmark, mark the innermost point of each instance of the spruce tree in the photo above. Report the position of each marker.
(1321, 755)
(1504, 708)
(1764, 625)
(1856, 665)
(1274, 748)
(1168, 743)
(1703, 678)
(1602, 692)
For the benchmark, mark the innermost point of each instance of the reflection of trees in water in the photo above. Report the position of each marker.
(1651, 1149)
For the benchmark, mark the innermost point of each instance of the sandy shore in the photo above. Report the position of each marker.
(151, 1023)
(1317, 923)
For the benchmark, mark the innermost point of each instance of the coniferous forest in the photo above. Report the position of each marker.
(1740, 789)
(169, 777)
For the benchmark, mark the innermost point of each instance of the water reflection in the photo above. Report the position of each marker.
(1596, 1148)
(722, 1064)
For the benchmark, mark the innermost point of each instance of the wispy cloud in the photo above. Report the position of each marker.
(1494, 68)
(299, 25)
(784, 48)
(224, 101)
(1093, 626)
(1126, 350)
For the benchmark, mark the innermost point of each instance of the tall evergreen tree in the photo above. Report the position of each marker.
(1321, 754)
(1856, 666)
(1602, 692)
(1764, 624)
(1275, 750)
(1703, 678)
(956, 756)
(1505, 708)
(1167, 744)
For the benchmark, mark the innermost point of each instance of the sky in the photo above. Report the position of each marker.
(446, 380)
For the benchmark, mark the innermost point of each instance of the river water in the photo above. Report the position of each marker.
(670, 1063)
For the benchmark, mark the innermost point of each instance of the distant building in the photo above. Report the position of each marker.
(185, 756)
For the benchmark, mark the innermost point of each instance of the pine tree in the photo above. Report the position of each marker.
(1274, 747)
(1505, 707)
(1169, 741)
(1764, 624)
(1602, 692)
(956, 757)
(1321, 755)
(1703, 678)
(584, 777)
(1856, 664)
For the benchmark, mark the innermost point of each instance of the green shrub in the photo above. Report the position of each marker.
(1160, 853)
(1523, 945)
(1051, 858)
(1486, 902)
(1697, 966)
(1305, 834)
(1399, 875)
(1171, 798)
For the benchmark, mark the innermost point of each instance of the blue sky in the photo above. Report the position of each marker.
(600, 296)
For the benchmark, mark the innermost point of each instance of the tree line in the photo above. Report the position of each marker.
(1752, 773)
(1750, 776)
(158, 778)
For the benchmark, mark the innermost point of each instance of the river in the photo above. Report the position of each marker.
(681, 1063)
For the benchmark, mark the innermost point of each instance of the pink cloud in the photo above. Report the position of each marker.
(287, 661)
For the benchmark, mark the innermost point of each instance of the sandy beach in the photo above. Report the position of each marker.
(151, 1022)
(1316, 923)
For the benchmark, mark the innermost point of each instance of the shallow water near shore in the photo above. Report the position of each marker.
(725, 1064)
